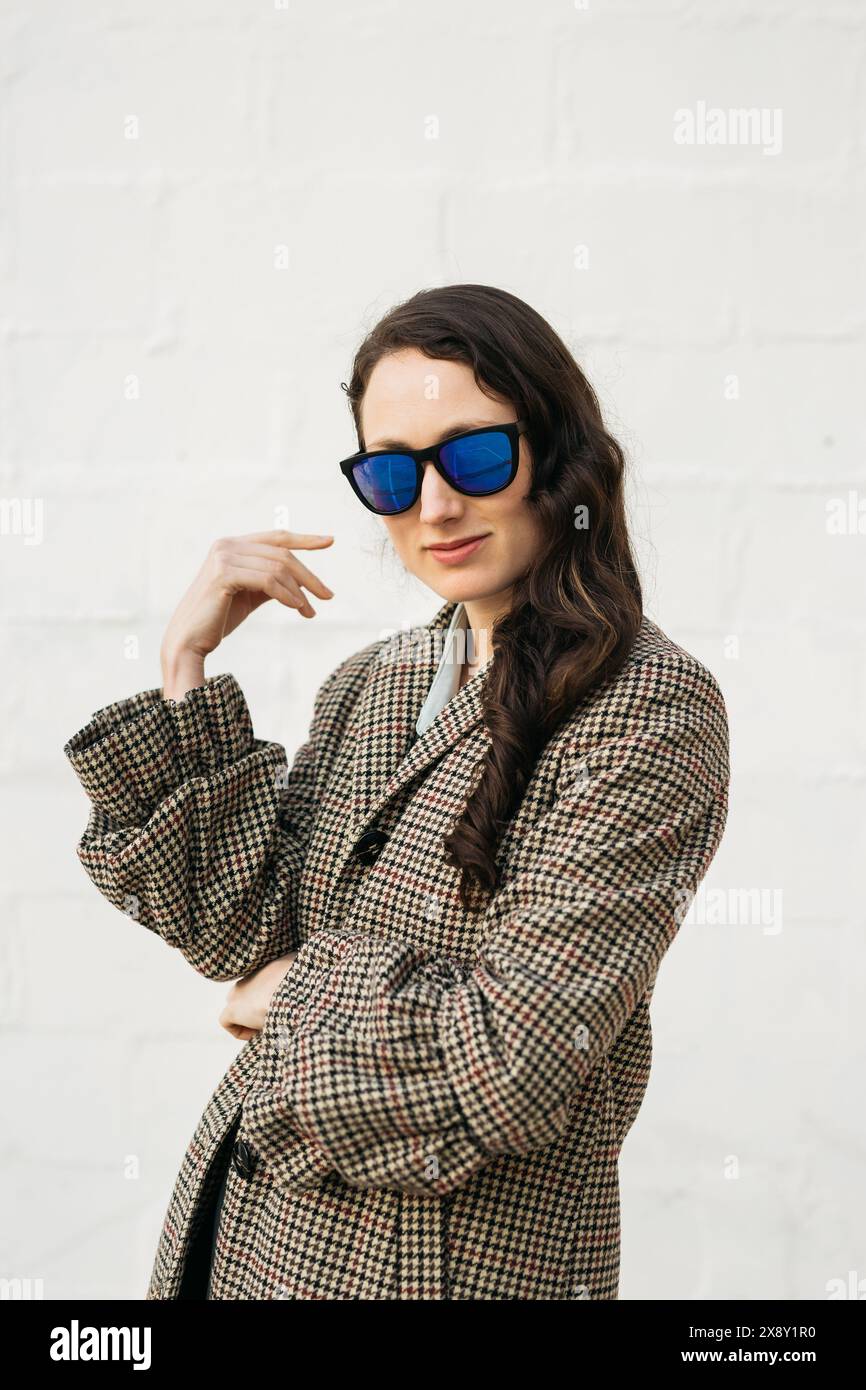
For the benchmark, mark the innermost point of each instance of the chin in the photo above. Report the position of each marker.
(459, 585)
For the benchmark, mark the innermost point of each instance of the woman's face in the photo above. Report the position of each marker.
(415, 400)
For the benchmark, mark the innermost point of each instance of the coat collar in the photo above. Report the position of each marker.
(388, 754)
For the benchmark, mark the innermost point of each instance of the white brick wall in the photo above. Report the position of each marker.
(260, 126)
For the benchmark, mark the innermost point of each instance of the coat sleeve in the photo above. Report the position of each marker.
(196, 829)
(397, 1068)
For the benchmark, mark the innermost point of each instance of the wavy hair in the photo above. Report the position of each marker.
(577, 609)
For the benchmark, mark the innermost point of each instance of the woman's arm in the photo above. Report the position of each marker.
(409, 1072)
(197, 829)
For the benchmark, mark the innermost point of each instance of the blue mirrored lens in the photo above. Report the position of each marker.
(387, 481)
(480, 463)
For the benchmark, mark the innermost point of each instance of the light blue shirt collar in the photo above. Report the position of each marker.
(446, 681)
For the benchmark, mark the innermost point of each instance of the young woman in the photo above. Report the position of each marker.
(448, 916)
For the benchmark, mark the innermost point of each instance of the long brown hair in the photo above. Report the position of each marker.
(577, 609)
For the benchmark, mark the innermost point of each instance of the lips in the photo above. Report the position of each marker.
(455, 552)
(445, 546)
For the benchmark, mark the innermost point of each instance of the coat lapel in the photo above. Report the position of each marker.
(388, 754)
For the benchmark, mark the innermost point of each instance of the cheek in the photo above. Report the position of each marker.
(520, 517)
(525, 529)
(397, 532)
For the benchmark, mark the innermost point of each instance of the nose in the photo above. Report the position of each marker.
(439, 501)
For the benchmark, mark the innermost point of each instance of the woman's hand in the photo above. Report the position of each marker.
(239, 574)
(249, 1000)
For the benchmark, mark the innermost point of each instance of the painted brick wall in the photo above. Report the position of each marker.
(204, 206)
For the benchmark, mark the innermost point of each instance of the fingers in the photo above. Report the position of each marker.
(285, 558)
(258, 576)
(293, 540)
(242, 1031)
(268, 553)
(239, 1031)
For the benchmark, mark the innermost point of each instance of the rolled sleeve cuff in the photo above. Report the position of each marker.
(134, 752)
(353, 1076)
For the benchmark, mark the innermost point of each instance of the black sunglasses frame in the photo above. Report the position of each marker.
(512, 428)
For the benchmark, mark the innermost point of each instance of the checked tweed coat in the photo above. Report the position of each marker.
(435, 1106)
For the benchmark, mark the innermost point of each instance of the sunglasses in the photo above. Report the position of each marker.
(477, 463)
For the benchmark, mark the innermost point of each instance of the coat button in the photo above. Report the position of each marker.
(243, 1161)
(369, 847)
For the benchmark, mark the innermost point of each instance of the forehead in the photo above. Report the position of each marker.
(408, 394)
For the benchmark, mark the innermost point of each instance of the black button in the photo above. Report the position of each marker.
(243, 1161)
(369, 847)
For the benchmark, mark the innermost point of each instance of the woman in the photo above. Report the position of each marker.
(450, 913)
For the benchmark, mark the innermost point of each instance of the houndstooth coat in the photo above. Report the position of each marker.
(435, 1106)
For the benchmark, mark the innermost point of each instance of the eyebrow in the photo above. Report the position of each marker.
(446, 434)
